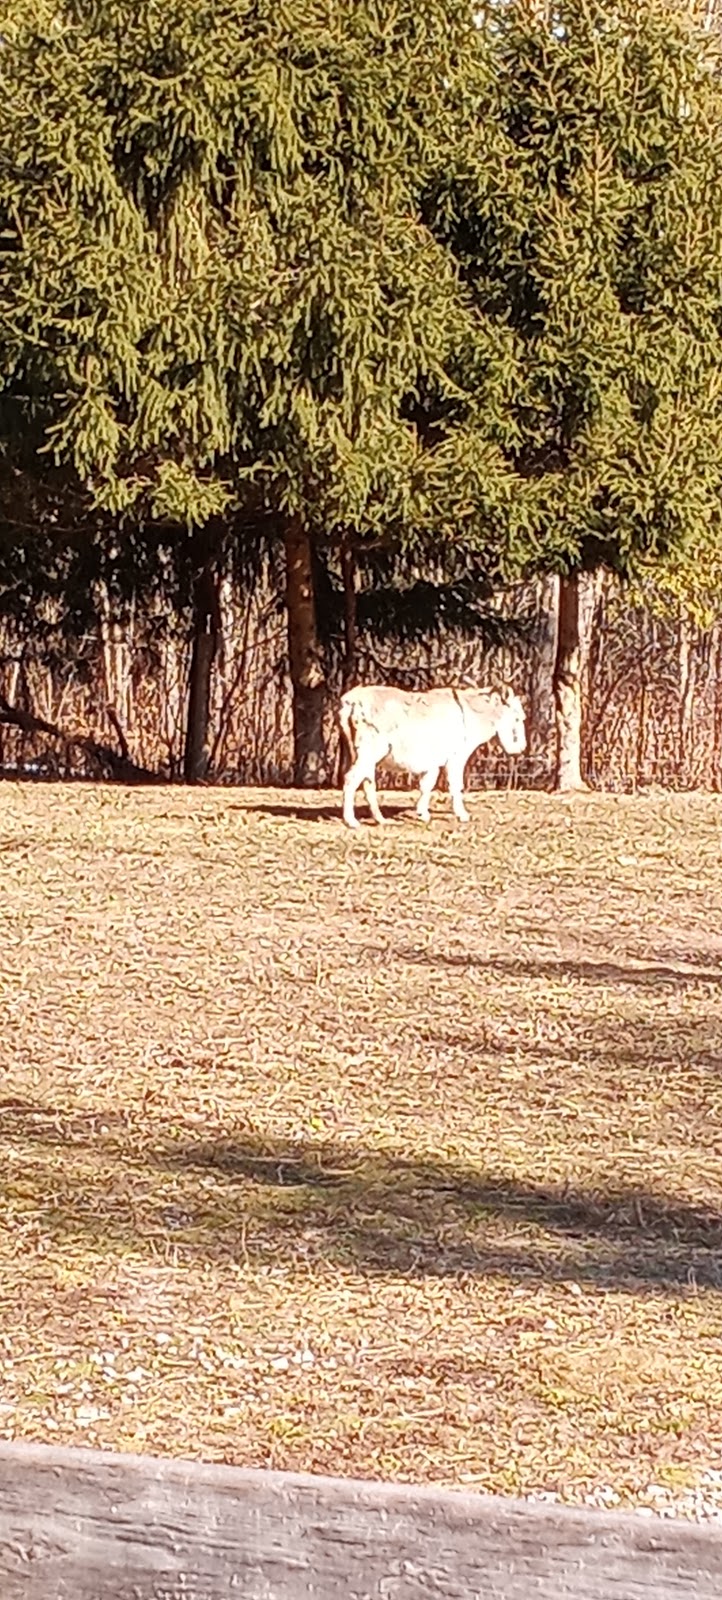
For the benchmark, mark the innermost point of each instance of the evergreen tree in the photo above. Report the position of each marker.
(218, 290)
(586, 217)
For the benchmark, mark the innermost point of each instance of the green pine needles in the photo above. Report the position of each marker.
(395, 267)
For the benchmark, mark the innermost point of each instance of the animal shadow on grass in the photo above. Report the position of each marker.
(292, 811)
(378, 1212)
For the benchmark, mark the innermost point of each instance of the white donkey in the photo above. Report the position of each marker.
(423, 731)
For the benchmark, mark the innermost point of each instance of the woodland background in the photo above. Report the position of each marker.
(348, 341)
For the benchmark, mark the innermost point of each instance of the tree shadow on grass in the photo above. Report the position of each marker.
(641, 972)
(375, 1212)
(385, 1212)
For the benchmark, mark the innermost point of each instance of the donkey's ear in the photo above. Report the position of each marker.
(506, 694)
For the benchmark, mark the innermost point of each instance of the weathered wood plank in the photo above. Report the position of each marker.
(86, 1525)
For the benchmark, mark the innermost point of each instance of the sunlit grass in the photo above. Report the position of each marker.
(395, 1153)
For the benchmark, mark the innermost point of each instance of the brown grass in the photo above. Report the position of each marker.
(393, 1154)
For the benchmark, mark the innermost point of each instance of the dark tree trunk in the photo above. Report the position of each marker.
(350, 627)
(686, 702)
(567, 686)
(206, 635)
(349, 666)
(305, 658)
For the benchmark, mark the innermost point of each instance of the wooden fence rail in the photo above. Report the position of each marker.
(87, 1525)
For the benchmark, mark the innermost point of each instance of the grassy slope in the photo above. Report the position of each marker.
(394, 1154)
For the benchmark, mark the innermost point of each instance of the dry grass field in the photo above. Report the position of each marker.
(393, 1154)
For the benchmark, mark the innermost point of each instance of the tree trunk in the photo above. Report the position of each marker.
(304, 652)
(116, 656)
(717, 716)
(206, 633)
(567, 687)
(350, 625)
(685, 772)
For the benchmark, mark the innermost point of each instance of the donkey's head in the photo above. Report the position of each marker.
(510, 722)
